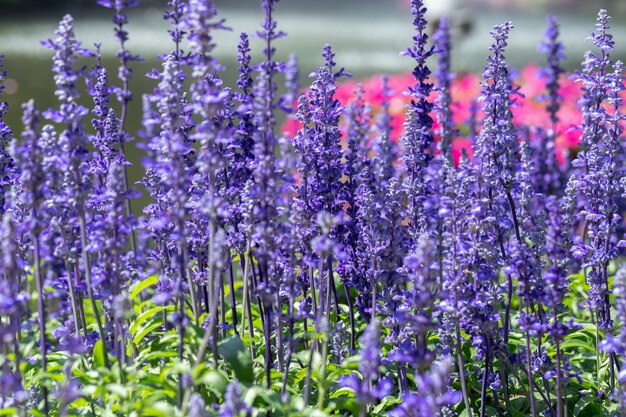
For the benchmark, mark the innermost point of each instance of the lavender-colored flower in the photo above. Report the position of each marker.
(6, 137)
(496, 147)
(369, 387)
(265, 91)
(264, 183)
(233, 405)
(433, 393)
(320, 153)
(598, 175)
(68, 181)
(553, 49)
(13, 300)
(616, 344)
(356, 169)
(385, 148)
(178, 30)
(418, 136)
(107, 139)
(168, 176)
(201, 20)
(120, 20)
(444, 79)
(196, 407)
(66, 76)
(287, 101)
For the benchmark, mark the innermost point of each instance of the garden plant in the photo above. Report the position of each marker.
(407, 246)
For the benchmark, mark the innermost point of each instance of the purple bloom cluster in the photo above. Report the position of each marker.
(273, 255)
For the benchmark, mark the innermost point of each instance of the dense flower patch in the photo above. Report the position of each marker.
(359, 264)
(529, 108)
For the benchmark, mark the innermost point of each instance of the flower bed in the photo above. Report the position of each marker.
(419, 245)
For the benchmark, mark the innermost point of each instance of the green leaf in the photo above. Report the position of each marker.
(238, 357)
(137, 288)
(579, 344)
(160, 409)
(587, 407)
(516, 413)
(98, 354)
(386, 403)
(118, 389)
(144, 332)
(215, 381)
(143, 317)
(343, 392)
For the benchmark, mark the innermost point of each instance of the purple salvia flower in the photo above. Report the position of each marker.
(358, 134)
(241, 150)
(321, 197)
(496, 154)
(553, 48)
(599, 175)
(72, 140)
(322, 137)
(31, 178)
(168, 175)
(616, 344)
(196, 406)
(67, 160)
(450, 238)
(262, 218)
(12, 306)
(264, 182)
(444, 79)
(108, 230)
(318, 143)
(245, 81)
(526, 256)
(393, 235)
(369, 387)
(215, 192)
(123, 93)
(437, 170)
(288, 101)
(107, 139)
(265, 91)
(413, 319)
(355, 169)
(329, 60)
(433, 394)
(6, 137)
(386, 149)
(303, 211)
(496, 146)
(176, 17)
(366, 271)
(201, 21)
(101, 98)
(66, 76)
(125, 73)
(213, 106)
(418, 135)
(473, 121)
(593, 79)
(234, 405)
(325, 137)
(67, 389)
(548, 174)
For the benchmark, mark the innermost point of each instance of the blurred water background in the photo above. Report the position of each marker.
(367, 36)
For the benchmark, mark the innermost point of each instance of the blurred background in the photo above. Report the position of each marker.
(367, 36)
